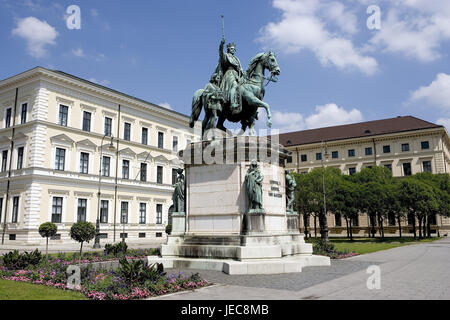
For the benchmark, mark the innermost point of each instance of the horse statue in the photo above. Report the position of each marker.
(251, 92)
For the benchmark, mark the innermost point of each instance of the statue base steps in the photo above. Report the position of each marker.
(240, 254)
(291, 264)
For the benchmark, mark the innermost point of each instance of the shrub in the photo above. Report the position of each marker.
(17, 261)
(169, 229)
(136, 272)
(116, 249)
(82, 232)
(47, 230)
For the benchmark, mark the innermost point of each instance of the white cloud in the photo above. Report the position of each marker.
(78, 52)
(325, 116)
(37, 34)
(306, 25)
(102, 82)
(444, 122)
(415, 28)
(166, 105)
(436, 94)
(332, 115)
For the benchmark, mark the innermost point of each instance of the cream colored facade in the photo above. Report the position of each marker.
(434, 158)
(43, 189)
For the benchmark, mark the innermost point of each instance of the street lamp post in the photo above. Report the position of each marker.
(324, 224)
(97, 225)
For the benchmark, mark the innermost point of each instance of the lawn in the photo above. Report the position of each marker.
(368, 245)
(13, 290)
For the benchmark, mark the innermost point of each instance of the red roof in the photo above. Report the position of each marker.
(356, 130)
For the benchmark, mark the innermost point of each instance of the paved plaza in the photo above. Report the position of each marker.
(419, 271)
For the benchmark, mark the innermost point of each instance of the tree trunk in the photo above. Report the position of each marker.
(372, 221)
(46, 249)
(420, 227)
(305, 222)
(429, 227)
(351, 231)
(414, 225)
(399, 226)
(315, 226)
(346, 224)
(81, 249)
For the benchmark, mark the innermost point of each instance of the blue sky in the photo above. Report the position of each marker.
(334, 70)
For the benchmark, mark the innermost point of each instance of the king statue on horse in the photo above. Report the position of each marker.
(233, 94)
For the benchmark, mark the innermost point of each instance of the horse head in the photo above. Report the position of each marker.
(270, 63)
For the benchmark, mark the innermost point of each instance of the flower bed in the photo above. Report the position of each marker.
(133, 279)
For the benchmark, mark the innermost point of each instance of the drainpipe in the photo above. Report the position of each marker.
(115, 183)
(9, 167)
(298, 160)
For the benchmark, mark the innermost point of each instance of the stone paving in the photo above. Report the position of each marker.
(419, 271)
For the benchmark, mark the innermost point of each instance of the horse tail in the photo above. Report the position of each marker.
(197, 106)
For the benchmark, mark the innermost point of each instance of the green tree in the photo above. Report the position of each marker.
(418, 197)
(47, 230)
(82, 232)
(344, 201)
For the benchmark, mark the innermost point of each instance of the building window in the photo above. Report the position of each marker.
(425, 145)
(175, 143)
(158, 213)
(386, 149)
(334, 155)
(337, 219)
(20, 158)
(15, 210)
(351, 170)
(144, 139)
(86, 121)
(355, 221)
(351, 152)
(124, 212)
(159, 174)
(104, 208)
(319, 156)
(4, 160)
(105, 166)
(84, 162)
(405, 147)
(289, 159)
(57, 209)
(82, 209)
(389, 166)
(368, 151)
(8, 118)
(303, 158)
(63, 115)
(411, 219)
(433, 220)
(174, 176)
(407, 168)
(127, 131)
(142, 212)
(23, 113)
(108, 126)
(161, 140)
(60, 159)
(125, 169)
(426, 166)
(143, 172)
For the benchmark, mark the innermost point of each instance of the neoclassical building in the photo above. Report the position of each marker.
(56, 130)
(405, 144)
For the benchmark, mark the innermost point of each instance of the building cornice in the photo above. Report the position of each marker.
(114, 96)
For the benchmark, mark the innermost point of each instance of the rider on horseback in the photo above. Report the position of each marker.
(231, 68)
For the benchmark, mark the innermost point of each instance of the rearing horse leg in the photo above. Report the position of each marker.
(252, 100)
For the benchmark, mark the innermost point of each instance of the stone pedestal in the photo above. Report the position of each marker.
(178, 223)
(221, 232)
